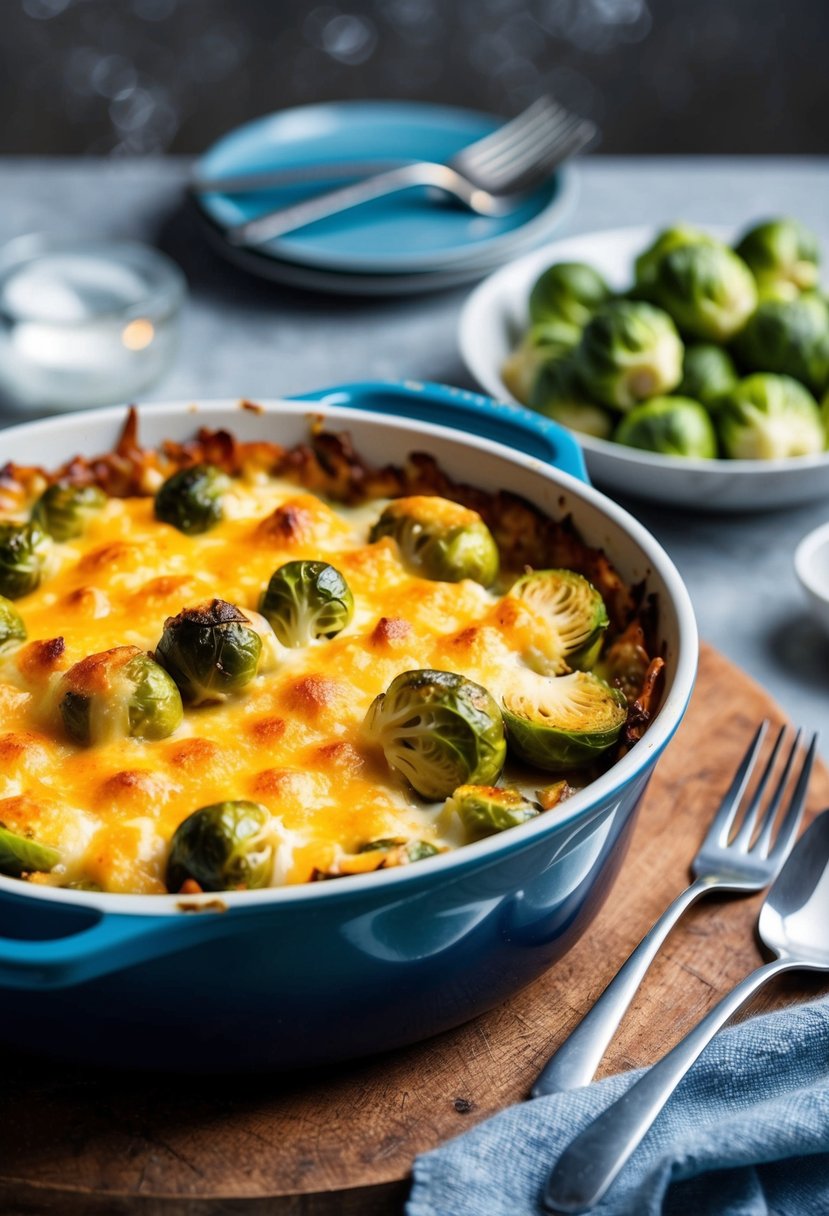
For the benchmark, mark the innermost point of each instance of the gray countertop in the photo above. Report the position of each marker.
(243, 337)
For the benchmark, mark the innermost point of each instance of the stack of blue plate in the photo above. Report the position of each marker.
(400, 244)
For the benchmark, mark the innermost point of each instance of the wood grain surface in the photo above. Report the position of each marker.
(342, 1141)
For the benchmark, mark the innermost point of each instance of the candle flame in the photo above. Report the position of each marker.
(138, 334)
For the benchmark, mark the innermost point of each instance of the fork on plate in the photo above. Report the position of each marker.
(744, 859)
(490, 176)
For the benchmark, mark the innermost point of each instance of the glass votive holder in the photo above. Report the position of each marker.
(84, 322)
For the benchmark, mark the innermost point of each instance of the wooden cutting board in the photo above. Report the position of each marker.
(342, 1141)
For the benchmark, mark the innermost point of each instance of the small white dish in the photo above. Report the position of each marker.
(496, 314)
(811, 564)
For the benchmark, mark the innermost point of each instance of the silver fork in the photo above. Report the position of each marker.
(489, 176)
(746, 862)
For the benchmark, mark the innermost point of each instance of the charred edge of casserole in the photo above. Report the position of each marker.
(330, 465)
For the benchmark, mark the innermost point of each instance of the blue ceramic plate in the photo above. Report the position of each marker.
(405, 233)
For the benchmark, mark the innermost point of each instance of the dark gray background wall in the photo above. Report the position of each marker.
(141, 76)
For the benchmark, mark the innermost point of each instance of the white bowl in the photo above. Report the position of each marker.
(811, 564)
(496, 314)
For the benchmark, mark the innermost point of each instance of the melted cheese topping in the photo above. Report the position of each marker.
(290, 740)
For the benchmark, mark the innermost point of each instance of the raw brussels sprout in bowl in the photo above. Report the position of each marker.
(740, 301)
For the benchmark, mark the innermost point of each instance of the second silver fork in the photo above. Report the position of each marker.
(746, 863)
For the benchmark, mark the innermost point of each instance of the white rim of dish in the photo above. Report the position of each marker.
(490, 379)
(617, 778)
(803, 556)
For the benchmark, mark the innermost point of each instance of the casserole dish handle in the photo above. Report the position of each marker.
(112, 943)
(506, 423)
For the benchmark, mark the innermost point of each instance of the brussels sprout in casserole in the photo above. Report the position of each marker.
(64, 509)
(562, 723)
(439, 539)
(191, 499)
(567, 620)
(486, 809)
(12, 629)
(439, 730)
(222, 847)
(22, 556)
(210, 650)
(119, 693)
(306, 600)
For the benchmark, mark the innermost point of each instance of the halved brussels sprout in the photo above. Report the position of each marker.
(191, 499)
(542, 344)
(707, 289)
(766, 417)
(22, 552)
(306, 600)
(672, 426)
(117, 694)
(781, 252)
(439, 730)
(20, 855)
(557, 392)
(629, 351)
(564, 722)
(439, 539)
(63, 510)
(788, 337)
(486, 809)
(223, 847)
(12, 629)
(707, 371)
(211, 651)
(571, 620)
(401, 851)
(671, 238)
(569, 292)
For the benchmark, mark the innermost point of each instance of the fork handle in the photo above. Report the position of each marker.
(589, 1165)
(576, 1060)
(332, 202)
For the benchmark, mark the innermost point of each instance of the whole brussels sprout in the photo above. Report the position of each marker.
(439, 730)
(670, 238)
(629, 351)
(564, 722)
(542, 344)
(12, 629)
(20, 855)
(210, 650)
(569, 620)
(439, 539)
(788, 337)
(766, 417)
(557, 393)
(306, 600)
(63, 510)
(222, 847)
(117, 694)
(191, 499)
(569, 292)
(707, 371)
(781, 253)
(22, 552)
(672, 426)
(707, 289)
(486, 809)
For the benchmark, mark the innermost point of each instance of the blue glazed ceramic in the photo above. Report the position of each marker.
(291, 977)
(406, 232)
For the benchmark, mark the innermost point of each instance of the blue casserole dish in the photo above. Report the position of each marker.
(292, 977)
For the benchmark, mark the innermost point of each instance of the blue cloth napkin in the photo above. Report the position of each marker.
(745, 1134)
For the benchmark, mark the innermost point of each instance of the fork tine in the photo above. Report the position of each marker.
(572, 143)
(794, 813)
(541, 107)
(532, 147)
(724, 817)
(742, 838)
(487, 159)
